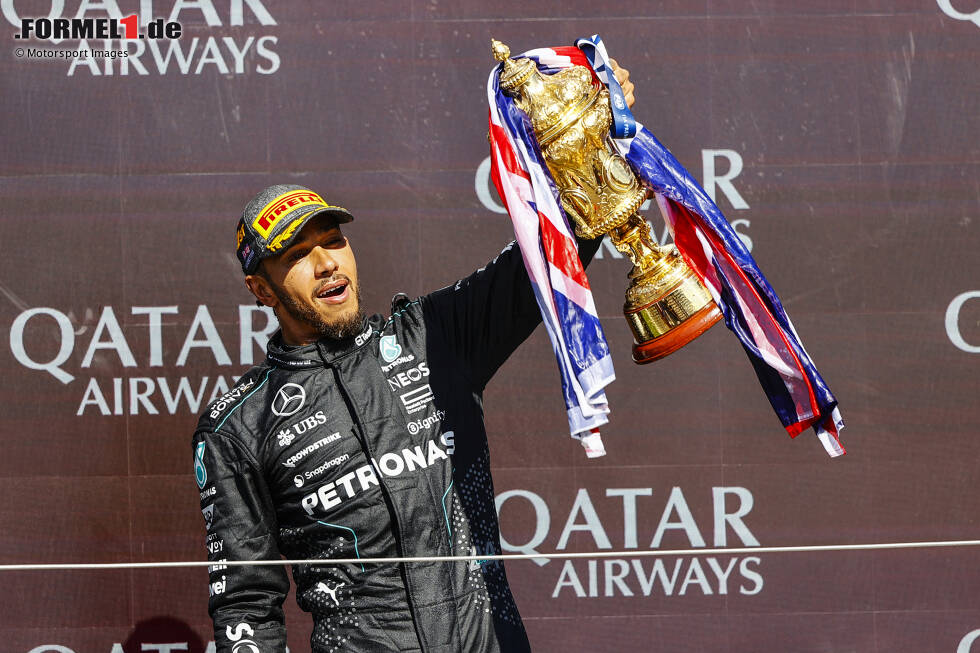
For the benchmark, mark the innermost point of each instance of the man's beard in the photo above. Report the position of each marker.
(345, 327)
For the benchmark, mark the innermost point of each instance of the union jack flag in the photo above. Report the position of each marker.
(550, 254)
(705, 239)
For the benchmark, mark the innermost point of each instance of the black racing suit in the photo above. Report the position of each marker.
(370, 447)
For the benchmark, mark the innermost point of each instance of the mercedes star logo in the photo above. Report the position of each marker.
(289, 400)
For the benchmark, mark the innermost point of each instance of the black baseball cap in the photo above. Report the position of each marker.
(274, 217)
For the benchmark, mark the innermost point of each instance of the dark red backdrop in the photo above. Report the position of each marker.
(854, 130)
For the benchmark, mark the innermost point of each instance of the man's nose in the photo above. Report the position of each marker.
(324, 264)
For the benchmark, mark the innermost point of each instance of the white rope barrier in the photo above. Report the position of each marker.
(506, 556)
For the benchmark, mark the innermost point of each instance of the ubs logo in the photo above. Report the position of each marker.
(289, 400)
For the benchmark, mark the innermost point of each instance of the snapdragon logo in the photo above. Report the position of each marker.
(300, 479)
(585, 527)
(156, 38)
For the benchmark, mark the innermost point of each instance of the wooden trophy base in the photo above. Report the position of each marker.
(668, 343)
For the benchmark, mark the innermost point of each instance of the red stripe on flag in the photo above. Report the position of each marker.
(500, 139)
(501, 148)
(577, 57)
(688, 243)
(561, 251)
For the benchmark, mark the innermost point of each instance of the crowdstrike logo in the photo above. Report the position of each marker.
(288, 400)
(308, 449)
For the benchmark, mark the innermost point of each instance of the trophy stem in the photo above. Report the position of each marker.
(666, 304)
(634, 239)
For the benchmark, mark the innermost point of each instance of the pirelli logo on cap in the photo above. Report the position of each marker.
(285, 203)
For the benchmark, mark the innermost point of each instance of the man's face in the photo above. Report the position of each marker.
(312, 285)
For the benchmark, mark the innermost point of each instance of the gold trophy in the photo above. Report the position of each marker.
(666, 304)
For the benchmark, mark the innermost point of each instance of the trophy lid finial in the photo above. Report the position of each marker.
(515, 72)
(500, 51)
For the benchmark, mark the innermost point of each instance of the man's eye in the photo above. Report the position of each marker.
(297, 255)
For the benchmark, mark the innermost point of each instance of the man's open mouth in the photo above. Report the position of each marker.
(334, 291)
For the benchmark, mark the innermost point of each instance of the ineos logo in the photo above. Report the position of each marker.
(947, 8)
(289, 400)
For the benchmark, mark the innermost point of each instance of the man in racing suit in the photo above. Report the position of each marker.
(360, 437)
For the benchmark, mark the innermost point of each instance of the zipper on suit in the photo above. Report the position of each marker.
(366, 447)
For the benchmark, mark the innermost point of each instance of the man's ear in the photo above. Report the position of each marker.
(261, 289)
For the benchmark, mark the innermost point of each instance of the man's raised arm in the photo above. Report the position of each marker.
(484, 317)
